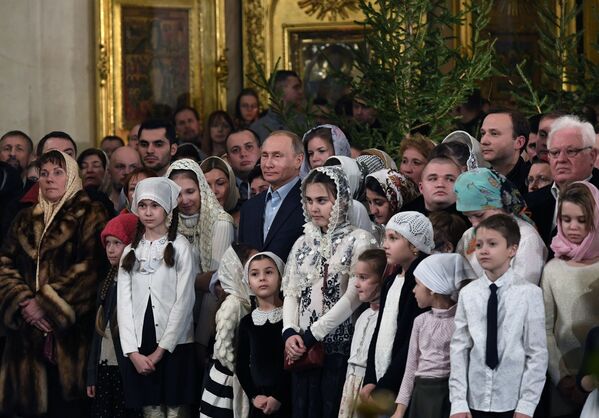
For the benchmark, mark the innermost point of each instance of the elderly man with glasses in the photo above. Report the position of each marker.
(571, 151)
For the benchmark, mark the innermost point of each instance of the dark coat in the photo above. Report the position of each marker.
(408, 311)
(286, 228)
(108, 305)
(69, 265)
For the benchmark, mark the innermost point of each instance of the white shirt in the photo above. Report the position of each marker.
(517, 381)
(171, 290)
(530, 256)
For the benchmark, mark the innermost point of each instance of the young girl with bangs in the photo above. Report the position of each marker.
(319, 294)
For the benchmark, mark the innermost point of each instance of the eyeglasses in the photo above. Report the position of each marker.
(570, 152)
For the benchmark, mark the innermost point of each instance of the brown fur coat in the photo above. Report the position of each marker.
(71, 260)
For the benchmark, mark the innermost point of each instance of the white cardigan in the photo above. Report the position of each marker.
(172, 292)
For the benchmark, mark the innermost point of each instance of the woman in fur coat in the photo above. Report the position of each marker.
(49, 269)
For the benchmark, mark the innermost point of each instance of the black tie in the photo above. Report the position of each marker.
(492, 357)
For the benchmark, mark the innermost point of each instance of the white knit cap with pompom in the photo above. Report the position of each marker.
(415, 227)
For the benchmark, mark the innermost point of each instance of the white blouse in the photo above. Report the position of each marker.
(171, 290)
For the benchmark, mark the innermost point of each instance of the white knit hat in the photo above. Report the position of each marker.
(415, 227)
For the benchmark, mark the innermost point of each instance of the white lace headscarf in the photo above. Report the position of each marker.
(317, 240)
(200, 235)
(340, 145)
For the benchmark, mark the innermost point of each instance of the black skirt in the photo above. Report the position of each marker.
(174, 382)
(109, 401)
(430, 398)
(317, 393)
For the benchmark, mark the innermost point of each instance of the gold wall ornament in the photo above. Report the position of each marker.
(331, 9)
(254, 42)
(103, 63)
(155, 52)
(269, 24)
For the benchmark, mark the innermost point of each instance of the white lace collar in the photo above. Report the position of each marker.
(150, 254)
(260, 317)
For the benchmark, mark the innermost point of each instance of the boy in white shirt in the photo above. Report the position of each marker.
(499, 348)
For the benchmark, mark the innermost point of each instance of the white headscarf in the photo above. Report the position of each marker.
(352, 172)
(475, 160)
(443, 273)
(275, 258)
(161, 190)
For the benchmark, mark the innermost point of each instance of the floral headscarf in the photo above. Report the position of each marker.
(484, 188)
(340, 145)
(398, 188)
(200, 235)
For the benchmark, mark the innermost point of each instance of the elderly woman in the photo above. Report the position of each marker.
(49, 268)
(483, 192)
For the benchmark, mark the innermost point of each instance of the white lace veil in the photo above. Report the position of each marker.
(211, 211)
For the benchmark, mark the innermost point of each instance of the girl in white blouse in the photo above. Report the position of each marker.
(319, 294)
(155, 300)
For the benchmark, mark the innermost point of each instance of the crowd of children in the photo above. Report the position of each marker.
(447, 334)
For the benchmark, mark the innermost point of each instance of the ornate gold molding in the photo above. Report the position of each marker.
(329, 9)
(206, 69)
(254, 42)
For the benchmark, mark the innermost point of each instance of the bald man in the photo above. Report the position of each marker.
(122, 162)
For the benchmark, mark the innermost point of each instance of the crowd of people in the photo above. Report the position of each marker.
(242, 271)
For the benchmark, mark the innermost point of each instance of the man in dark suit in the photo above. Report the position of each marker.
(273, 220)
(572, 153)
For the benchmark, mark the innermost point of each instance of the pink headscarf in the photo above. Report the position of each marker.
(589, 247)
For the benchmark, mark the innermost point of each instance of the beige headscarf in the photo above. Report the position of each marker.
(211, 211)
(233, 196)
(50, 209)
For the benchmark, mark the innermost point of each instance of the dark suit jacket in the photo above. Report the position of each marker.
(286, 228)
(542, 207)
(408, 311)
